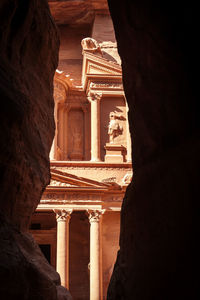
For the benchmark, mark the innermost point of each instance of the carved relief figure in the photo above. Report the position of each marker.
(59, 153)
(114, 128)
(77, 141)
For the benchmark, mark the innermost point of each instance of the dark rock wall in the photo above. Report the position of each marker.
(28, 58)
(157, 41)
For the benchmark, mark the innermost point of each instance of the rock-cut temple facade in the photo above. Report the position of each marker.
(77, 222)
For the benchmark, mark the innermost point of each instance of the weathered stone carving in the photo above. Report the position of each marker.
(91, 45)
(92, 96)
(76, 121)
(114, 128)
(110, 179)
(127, 178)
(59, 92)
(77, 141)
(59, 183)
(59, 153)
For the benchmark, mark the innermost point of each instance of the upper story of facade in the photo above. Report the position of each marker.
(91, 152)
(90, 106)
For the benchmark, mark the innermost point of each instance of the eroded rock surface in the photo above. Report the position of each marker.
(157, 258)
(28, 58)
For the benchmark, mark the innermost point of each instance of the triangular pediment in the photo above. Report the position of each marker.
(95, 64)
(64, 179)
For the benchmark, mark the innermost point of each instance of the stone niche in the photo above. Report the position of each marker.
(76, 133)
(72, 118)
(114, 129)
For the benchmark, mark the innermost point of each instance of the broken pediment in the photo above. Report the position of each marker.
(63, 179)
(94, 65)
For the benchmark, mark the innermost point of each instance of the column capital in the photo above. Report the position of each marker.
(94, 96)
(95, 215)
(62, 215)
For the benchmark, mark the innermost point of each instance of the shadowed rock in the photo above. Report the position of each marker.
(28, 58)
(157, 258)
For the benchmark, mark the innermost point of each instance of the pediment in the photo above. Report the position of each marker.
(95, 64)
(98, 68)
(64, 179)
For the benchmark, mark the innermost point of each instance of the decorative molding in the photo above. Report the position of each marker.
(92, 168)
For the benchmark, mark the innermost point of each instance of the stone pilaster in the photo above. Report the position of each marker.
(94, 99)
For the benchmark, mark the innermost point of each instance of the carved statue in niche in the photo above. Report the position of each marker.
(75, 136)
(77, 144)
(114, 128)
(59, 153)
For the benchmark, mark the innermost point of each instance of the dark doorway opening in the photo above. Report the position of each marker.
(46, 250)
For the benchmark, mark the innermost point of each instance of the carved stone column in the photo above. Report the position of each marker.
(94, 99)
(95, 278)
(62, 262)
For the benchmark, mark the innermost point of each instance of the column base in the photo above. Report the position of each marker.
(95, 160)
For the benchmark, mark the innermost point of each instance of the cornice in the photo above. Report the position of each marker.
(90, 164)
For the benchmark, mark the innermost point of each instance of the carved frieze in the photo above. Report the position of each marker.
(107, 85)
(59, 183)
(71, 196)
(110, 179)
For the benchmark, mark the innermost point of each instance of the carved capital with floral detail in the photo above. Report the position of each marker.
(95, 215)
(63, 215)
(94, 96)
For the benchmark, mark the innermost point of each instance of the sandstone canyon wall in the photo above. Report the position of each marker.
(28, 58)
(160, 61)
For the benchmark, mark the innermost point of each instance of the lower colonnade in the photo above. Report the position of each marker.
(77, 224)
(62, 254)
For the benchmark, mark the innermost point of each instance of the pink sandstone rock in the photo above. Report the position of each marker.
(28, 58)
